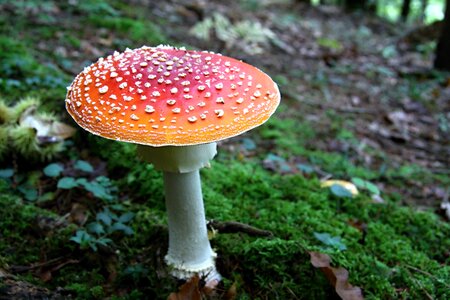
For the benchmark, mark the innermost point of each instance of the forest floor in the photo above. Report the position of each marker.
(360, 103)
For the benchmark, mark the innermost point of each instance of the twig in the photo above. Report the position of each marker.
(418, 282)
(427, 274)
(235, 227)
(5, 275)
(20, 269)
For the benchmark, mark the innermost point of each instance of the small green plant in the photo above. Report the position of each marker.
(25, 184)
(97, 233)
(101, 186)
(112, 219)
(333, 242)
(366, 185)
(330, 44)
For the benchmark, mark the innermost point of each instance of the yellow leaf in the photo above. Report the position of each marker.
(345, 184)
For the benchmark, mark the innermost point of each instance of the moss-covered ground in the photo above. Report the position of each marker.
(394, 246)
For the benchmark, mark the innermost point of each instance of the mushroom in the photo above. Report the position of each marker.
(175, 104)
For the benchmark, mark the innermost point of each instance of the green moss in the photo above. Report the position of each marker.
(7, 114)
(396, 239)
(21, 72)
(288, 134)
(383, 259)
(3, 142)
(17, 227)
(137, 30)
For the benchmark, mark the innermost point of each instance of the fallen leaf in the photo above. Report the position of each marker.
(338, 277)
(188, 291)
(344, 184)
(78, 214)
(45, 276)
(231, 293)
(320, 260)
(360, 225)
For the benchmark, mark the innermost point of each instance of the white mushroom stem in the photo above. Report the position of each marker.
(189, 249)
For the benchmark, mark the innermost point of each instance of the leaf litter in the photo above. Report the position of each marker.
(338, 277)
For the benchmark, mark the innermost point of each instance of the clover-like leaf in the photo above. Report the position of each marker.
(53, 170)
(84, 166)
(96, 227)
(126, 217)
(122, 227)
(67, 183)
(333, 241)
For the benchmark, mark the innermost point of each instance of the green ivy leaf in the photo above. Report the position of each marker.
(53, 170)
(83, 166)
(67, 183)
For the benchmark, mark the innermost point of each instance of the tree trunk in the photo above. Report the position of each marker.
(352, 5)
(423, 10)
(362, 5)
(405, 10)
(442, 60)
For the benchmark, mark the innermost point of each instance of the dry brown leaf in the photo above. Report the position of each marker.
(78, 214)
(188, 291)
(45, 276)
(338, 277)
(231, 293)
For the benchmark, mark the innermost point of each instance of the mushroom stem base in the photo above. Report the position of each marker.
(189, 249)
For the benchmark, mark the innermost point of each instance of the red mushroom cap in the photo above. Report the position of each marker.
(161, 96)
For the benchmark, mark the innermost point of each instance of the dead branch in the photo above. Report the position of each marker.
(236, 227)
